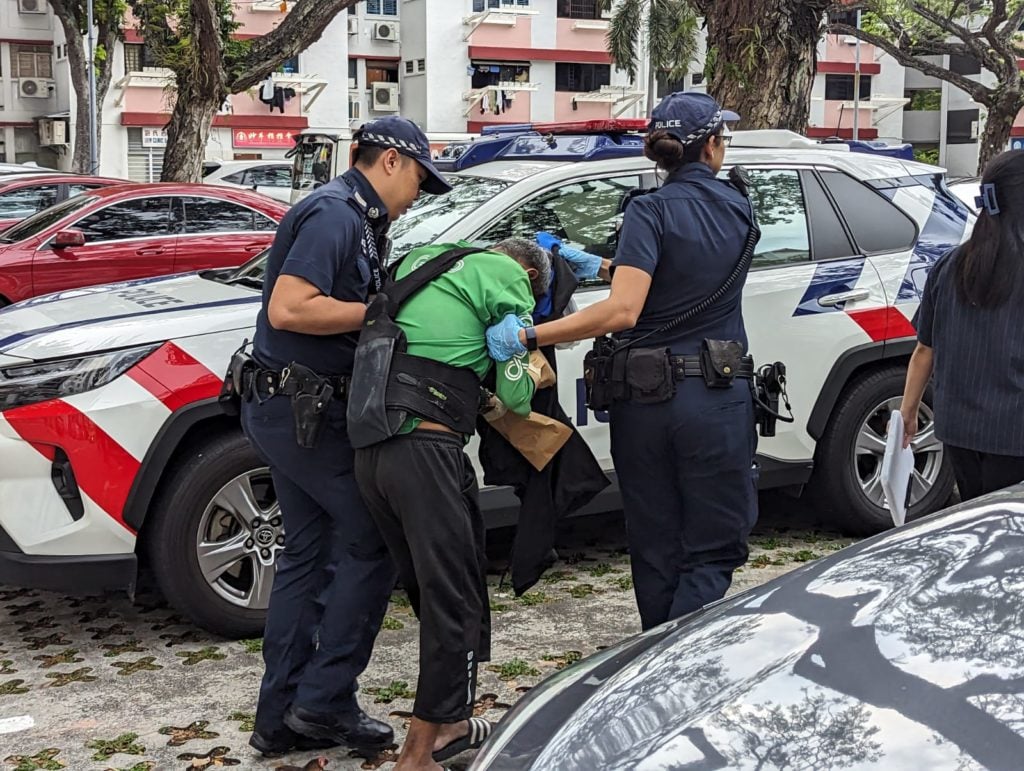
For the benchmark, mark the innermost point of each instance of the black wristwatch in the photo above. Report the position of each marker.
(531, 338)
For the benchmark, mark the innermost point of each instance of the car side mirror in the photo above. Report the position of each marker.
(69, 238)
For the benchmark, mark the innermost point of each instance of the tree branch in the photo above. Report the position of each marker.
(980, 52)
(303, 25)
(976, 90)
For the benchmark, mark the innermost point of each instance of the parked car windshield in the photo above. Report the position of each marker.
(37, 223)
(428, 218)
(432, 215)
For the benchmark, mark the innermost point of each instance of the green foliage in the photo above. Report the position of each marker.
(926, 155)
(929, 99)
(513, 669)
(396, 689)
(667, 29)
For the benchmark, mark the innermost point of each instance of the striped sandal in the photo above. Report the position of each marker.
(479, 730)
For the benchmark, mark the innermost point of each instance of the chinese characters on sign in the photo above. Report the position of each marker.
(154, 137)
(266, 139)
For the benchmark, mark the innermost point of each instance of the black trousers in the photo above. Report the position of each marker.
(333, 577)
(978, 473)
(689, 492)
(422, 492)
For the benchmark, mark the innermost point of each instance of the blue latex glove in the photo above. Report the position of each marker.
(547, 241)
(585, 265)
(503, 338)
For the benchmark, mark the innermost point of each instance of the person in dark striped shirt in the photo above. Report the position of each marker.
(970, 336)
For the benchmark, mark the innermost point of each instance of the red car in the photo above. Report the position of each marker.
(133, 231)
(24, 194)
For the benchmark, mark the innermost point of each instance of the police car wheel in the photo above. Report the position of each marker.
(848, 463)
(214, 536)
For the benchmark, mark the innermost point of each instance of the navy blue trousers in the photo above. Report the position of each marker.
(689, 491)
(334, 575)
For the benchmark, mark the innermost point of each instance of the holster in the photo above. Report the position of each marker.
(598, 375)
(236, 383)
(308, 411)
(720, 362)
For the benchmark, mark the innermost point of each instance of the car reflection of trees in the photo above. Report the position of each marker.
(641, 715)
(820, 731)
(948, 596)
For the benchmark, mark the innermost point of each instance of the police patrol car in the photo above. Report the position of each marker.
(112, 443)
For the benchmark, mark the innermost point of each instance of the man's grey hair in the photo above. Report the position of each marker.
(530, 255)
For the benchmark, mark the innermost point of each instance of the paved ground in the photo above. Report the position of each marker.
(115, 686)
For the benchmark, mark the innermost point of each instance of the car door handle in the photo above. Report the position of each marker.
(255, 247)
(148, 252)
(832, 300)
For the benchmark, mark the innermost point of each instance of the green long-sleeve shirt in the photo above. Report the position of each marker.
(446, 320)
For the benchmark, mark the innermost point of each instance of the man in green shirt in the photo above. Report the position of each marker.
(421, 488)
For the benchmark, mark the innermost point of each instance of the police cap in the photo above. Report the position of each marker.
(689, 116)
(406, 137)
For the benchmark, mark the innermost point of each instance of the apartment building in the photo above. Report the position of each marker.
(32, 88)
(453, 66)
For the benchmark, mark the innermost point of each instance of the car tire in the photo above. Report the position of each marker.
(178, 528)
(845, 483)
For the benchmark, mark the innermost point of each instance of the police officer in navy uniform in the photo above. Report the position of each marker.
(685, 462)
(334, 574)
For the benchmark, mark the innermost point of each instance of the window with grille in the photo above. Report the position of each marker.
(481, 5)
(32, 61)
(382, 7)
(581, 77)
(579, 9)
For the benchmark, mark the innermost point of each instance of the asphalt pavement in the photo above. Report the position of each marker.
(102, 684)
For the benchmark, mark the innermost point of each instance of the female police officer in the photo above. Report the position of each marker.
(684, 461)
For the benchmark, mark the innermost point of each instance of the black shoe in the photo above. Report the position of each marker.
(284, 741)
(355, 729)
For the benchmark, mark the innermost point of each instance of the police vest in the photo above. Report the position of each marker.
(389, 385)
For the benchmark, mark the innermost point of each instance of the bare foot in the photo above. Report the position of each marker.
(450, 732)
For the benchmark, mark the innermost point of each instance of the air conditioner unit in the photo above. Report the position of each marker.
(386, 30)
(31, 6)
(52, 132)
(35, 88)
(353, 25)
(353, 83)
(385, 97)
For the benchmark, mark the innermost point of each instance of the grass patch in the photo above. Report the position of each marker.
(562, 660)
(125, 744)
(396, 689)
(804, 555)
(624, 583)
(253, 646)
(401, 601)
(581, 590)
(498, 607)
(513, 669)
(392, 624)
(602, 569)
(247, 720)
(532, 598)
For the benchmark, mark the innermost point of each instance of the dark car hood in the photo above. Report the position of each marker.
(905, 651)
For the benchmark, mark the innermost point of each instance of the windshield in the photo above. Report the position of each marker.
(312, 163)
(427, 219)
(433, 215)
(37, 223)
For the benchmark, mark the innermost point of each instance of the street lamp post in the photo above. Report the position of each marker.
(93, 139)
(856, 86)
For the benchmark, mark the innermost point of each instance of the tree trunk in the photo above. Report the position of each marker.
(764, 68)
(188, 132)
(1001, 115)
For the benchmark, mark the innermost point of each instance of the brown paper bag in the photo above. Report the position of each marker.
(537, 437)
(540, 371)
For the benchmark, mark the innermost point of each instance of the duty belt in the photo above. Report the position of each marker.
(288, 382)
(689, 366)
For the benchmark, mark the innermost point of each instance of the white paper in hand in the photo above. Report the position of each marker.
(897, 466)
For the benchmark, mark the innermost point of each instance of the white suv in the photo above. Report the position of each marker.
(111, 439)
(272, 178)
